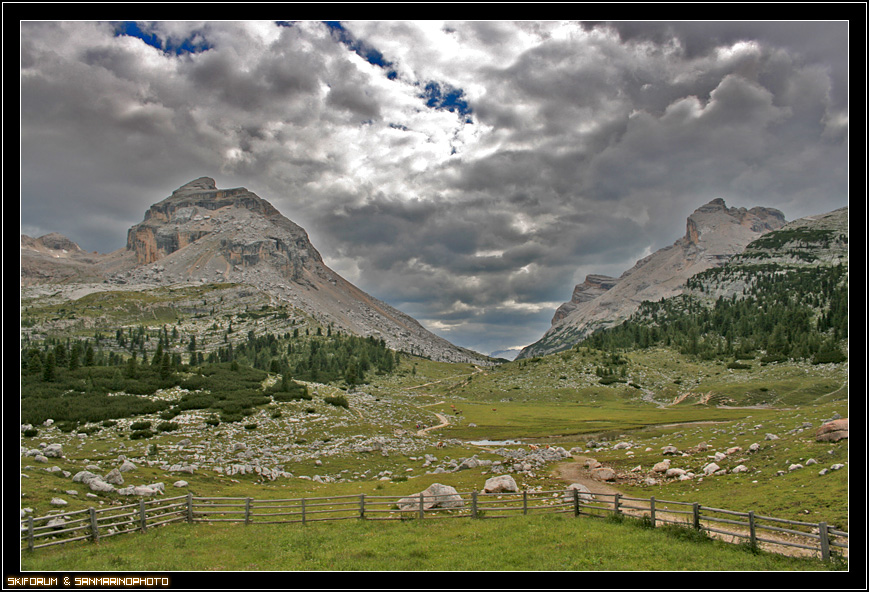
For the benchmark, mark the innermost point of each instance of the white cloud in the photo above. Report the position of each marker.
(585, 145)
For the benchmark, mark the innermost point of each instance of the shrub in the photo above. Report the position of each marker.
(30, 433)
(140, 434)
(738, 366)
(829, 357)
(338, 401)
(167, 426)
(140, 425)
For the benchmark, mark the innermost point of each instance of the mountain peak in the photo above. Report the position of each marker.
(713, 218)
(200, 184)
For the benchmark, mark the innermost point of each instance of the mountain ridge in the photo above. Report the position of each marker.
(714, 233)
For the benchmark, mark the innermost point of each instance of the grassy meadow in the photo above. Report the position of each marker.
(579, 399)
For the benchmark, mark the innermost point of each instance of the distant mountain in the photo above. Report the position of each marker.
(785, 296)
(714, 234)
(202, 234)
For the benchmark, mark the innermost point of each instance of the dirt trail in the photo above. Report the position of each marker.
(444, 422)
(577, 472)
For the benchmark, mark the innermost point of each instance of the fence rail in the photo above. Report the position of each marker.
(94, 524)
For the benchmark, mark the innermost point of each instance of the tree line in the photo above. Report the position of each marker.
(798, 314)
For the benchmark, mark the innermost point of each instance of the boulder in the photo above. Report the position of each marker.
(711, 468)
(56, 451)
(603, 474)
(127, 466)
(662, 466)
(833, 431)
(99, 485)
(675, 472)
(114, 477)
(500, 484)
(670, 450)
(583, 493)
(84, 477)
(436, 495)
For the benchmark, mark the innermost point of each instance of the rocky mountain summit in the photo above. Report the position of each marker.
(202, 234)
(714, 234)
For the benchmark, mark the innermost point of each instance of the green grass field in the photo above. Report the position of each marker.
(530, 543)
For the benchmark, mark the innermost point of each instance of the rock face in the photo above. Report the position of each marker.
(714, 233)
(203, 234)
(591, 288)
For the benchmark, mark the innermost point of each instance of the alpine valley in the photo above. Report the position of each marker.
(215, 354)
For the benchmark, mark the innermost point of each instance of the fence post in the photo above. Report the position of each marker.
(189, 508)
(30, 533)
(473, 504)
(142, 514)
(652, 511)
(362, 505)
(303, 510)
(616, 503)
(752, 530)
(825, 541)
(247, 511)
(421, 509)
(95, 533)
(696, 516)
(575, 502)
(525, 502)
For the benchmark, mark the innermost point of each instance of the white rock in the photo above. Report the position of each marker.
(500, 484)
(711, 468)
(583, 493)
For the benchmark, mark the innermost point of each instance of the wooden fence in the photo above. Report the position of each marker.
(759, 531)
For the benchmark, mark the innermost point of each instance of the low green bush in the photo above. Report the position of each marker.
(338, 401)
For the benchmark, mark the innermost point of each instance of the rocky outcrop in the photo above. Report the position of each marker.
(593, 286)
(714, 233)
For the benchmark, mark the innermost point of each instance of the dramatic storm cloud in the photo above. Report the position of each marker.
(468, 173)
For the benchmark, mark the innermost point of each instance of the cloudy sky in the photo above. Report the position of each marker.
(468, 173)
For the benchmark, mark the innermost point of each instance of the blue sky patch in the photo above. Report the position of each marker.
(192, 44)
(446, 99)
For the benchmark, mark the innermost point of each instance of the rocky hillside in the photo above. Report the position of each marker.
(714, 234)
(201, 234)
(784, 297)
